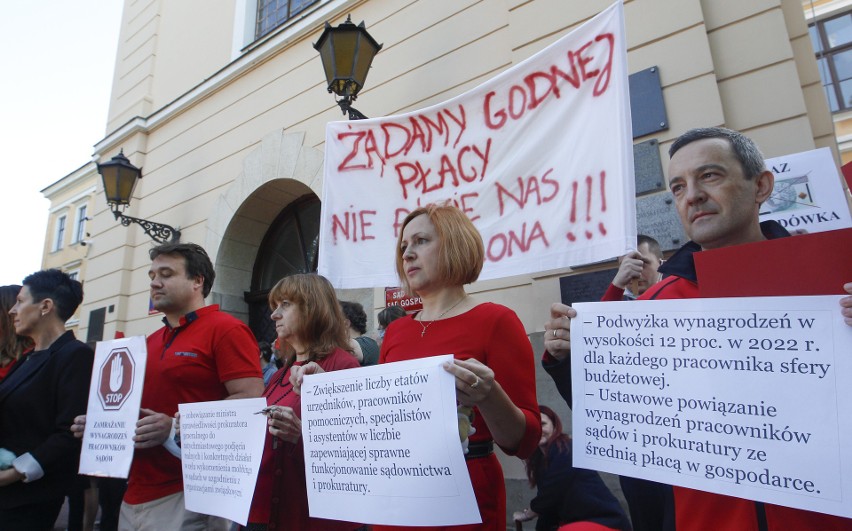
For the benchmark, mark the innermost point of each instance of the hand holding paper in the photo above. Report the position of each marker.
(297, 373)
(284, 423)
(152, 429)
(79, 426)
(557, 331)
(846, 304)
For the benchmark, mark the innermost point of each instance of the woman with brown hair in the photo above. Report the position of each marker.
(11, 344)
(311, 328)
(568, 498)
(438, 252)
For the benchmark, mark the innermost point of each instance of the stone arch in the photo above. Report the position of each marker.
(274, 174)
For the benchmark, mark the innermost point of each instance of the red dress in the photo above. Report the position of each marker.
(493, 335)
(280, 495)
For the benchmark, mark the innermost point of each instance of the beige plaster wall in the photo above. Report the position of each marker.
(200, 154)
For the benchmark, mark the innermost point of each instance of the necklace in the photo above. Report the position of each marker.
(280, 383)
(445, 312)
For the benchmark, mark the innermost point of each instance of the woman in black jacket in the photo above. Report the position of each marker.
(39, 399)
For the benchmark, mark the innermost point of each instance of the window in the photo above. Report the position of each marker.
(74, 275)
(80, 228)
(273, 13)
(59, 235)
(832, 41)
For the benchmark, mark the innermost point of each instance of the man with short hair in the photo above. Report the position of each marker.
(199, 355)
(641, 266)
(718, 179)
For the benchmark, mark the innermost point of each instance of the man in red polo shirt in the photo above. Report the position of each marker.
(199, 355)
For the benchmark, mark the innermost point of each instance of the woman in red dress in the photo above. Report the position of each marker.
(311, 328)
(438, 252)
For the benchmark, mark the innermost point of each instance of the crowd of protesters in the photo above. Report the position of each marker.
(718, 181)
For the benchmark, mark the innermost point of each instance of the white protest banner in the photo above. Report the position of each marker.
(221, 448)
(748, 397)
(114, 397)
(540, 158)
(808, 193)
(382, 446)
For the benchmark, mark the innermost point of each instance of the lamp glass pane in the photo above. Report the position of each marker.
(344, 51)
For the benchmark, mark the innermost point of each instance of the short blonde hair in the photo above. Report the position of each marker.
(321, 326)
(460, 249)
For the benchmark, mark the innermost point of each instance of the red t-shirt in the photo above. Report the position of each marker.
(190, 363)
(493, 335)
(280, 495)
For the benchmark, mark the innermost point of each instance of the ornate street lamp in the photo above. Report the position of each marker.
(120, 177)
(347, 52)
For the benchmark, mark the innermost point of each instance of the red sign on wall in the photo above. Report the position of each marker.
(398, 297)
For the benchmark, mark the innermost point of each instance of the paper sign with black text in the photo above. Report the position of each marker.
(382, 446)
(221, 448)
(748, 397)
(114, 397)
(808, 193)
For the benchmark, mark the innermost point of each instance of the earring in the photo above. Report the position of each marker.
(43, 313)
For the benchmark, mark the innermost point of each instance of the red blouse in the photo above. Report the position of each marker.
(493, 335)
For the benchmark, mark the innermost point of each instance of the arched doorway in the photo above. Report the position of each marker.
(278, 173)
(289, 247)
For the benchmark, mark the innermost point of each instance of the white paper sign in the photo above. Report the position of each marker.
(222, 444)
(382, 446)
(808, 193)
(114, 397)
(748, 397)
(540, 158)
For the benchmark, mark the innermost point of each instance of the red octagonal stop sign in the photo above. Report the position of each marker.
(116, 378)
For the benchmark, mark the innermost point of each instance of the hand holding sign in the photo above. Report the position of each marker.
(284, 423)
(557, 331)
(846, 304)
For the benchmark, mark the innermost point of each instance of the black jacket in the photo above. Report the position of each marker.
(39, 399)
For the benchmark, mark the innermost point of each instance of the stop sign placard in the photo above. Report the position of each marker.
(116, 379)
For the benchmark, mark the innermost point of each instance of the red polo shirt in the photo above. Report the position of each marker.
(189, 363)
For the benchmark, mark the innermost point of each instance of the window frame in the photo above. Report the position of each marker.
(261, 31)
(825, 56)
(59, 232)
(80, 224)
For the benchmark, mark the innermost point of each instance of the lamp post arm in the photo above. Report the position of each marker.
(347, 108)
(159, 232)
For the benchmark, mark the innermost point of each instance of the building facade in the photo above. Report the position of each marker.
(224, 105)
(68, 240)
(830, 28)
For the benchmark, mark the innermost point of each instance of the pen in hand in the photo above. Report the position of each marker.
(266, 411)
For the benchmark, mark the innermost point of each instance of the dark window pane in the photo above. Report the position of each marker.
(839, 30)
(273, 13)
